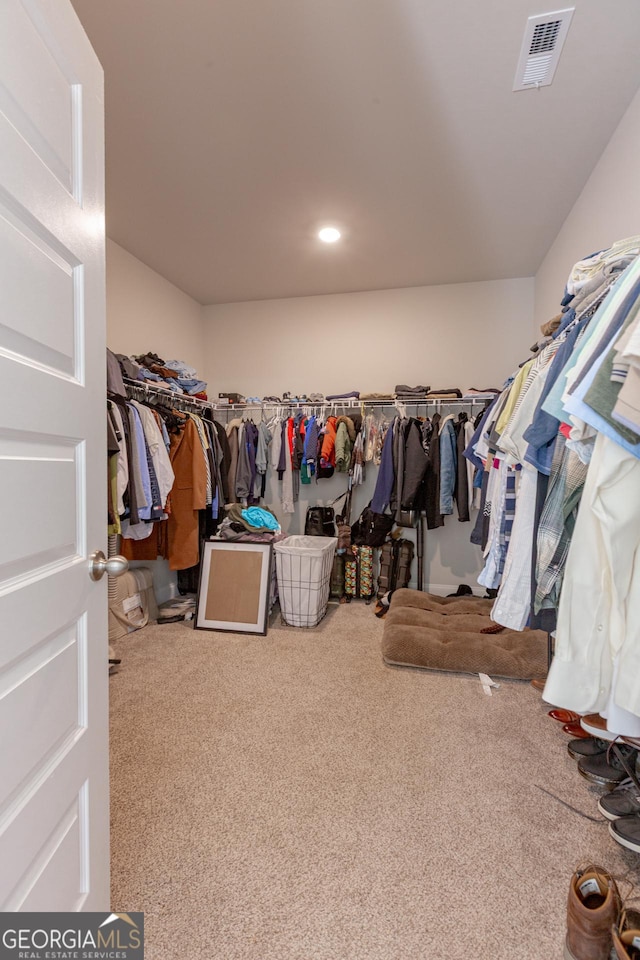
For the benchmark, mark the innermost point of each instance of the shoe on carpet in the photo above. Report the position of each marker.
(596, 725)
(593, 907)
(626, 936)
(610, 768)
(564, 716)
(592, 747)
(576, 731)
(626, 832)
(383, 604)
(464, 590)
(539, 683)
(623, 801)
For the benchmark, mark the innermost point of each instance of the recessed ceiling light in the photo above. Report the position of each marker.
(329, 234)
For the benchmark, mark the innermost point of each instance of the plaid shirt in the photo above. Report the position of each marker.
(557, 523)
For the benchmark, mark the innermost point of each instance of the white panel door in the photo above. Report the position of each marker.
(54, 842)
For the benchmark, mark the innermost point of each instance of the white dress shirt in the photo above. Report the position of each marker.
(599, 612)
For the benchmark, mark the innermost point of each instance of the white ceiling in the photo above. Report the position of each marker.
(235, 128)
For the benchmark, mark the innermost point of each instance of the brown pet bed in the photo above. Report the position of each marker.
(444, 633)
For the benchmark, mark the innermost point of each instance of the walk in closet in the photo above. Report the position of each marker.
(320, 449)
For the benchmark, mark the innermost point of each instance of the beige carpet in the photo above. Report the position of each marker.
(292, 798)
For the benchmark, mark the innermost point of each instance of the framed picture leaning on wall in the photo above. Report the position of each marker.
(235, 580)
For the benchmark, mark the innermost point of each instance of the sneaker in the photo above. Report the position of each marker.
(580, 748)
(626, 832)
(623, 801)
(610, 768)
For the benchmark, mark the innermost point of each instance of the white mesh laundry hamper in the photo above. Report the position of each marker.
(303, 566)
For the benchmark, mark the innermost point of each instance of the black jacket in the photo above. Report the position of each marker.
(432, 479)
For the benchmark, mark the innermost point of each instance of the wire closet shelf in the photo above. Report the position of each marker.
(181, 400)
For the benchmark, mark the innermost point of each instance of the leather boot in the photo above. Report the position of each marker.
(592, 910)
(626, 936)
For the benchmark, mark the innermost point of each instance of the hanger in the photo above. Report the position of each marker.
(401, 408)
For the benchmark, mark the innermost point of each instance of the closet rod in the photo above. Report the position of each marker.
(355, 404)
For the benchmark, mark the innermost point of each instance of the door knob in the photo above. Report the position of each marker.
(99, 565)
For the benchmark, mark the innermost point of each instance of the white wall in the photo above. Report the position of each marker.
(147, 313)
(464, 335)
(467, 334)
(608, 209)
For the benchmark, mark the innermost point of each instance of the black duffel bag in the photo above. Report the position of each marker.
(371, 529)
(320, 522)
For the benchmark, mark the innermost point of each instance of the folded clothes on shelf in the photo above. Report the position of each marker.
(190, 386)
(172, 374)
(149, 359)
(146, 374)
(354, 395)
(129, 366)
(182, 369)
(405, 392)
(478, 392)
(448, 393)
(164, 372)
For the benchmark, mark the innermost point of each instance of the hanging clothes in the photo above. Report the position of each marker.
(448, 465)
(345, 438)
(358, 461)
(188, 497)
(463, 490)
(386, 475)
(265, 439)
(286, 456)
(598, 617)
(158, 510)
(432, 477)
(561, 519)
(233, 428)
(415, 462)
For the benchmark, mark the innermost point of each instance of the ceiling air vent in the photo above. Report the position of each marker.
(541, 48)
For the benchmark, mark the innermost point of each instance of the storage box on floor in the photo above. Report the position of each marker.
(303, 566)
(132, 602)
